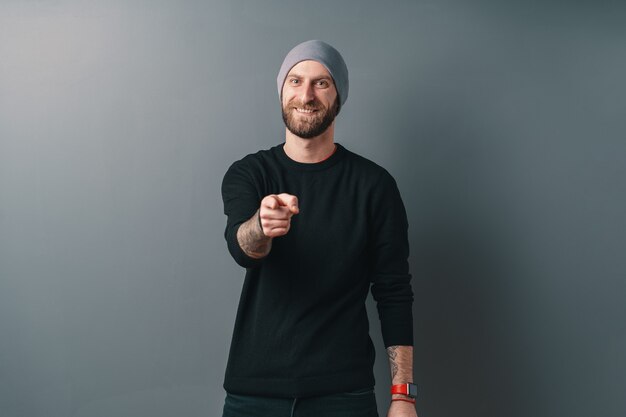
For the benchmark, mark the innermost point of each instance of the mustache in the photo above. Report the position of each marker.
(310, 105)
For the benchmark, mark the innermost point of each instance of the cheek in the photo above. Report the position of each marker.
(330, 98)
(287, 97)
(285, 100)
(330, 102)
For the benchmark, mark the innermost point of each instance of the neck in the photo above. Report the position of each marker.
(310, 151)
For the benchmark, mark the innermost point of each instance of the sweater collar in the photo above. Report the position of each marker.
(302, 166)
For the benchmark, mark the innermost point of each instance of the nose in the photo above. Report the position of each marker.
(308, 94)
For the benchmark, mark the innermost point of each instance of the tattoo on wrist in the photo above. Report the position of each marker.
(401, 363)
(393, 354)
(251, 238)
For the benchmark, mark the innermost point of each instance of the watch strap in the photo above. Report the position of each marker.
(410, 390)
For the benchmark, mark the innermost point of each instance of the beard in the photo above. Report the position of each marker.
(312, 125)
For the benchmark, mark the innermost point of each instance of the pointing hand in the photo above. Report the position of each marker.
(275, 213)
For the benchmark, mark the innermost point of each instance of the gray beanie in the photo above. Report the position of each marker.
(324, 54)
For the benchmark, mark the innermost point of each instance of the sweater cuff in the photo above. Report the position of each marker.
(397, 329)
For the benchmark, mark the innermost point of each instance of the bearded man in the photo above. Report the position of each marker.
(315, 225)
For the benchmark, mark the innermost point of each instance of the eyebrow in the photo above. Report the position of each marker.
(323, 77)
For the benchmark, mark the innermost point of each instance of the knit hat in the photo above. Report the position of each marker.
(324, 54)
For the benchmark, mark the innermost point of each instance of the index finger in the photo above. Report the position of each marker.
(290, 201)
(271, 201)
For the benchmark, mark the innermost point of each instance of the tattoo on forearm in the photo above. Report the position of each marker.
(392, 352)
(252, 240)
(401, 363)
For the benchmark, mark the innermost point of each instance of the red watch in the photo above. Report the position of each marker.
(410, 390)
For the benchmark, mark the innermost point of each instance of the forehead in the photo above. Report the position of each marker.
(309, 68)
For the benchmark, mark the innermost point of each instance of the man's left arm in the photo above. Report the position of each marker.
(401, 366)
(391, 286)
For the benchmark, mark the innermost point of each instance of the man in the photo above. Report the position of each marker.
(315, 225)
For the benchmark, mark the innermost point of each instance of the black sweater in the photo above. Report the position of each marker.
(301, 326)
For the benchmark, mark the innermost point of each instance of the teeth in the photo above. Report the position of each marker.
(304, 111)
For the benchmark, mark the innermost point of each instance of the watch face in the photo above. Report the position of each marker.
(412, 390)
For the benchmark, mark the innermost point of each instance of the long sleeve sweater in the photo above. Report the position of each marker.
(301, 327)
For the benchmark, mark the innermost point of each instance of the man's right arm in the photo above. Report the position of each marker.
(251, 238)
(272, 219)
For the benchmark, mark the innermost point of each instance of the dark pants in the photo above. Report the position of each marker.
(360, 403)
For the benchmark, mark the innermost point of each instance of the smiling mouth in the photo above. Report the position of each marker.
(305, 111)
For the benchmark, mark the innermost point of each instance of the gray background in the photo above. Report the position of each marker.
(503, 124)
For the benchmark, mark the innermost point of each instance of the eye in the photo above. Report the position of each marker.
(322, 83)
(294, 81)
